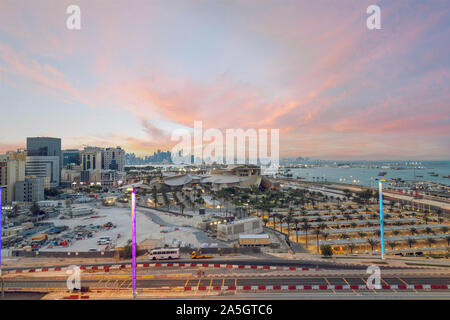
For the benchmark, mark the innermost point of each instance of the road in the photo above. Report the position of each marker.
(257, 262)
(125, 282)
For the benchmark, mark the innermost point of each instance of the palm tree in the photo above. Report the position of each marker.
(413, 231)
(280, 221)
(305, 227)
(395, 232)
(447, 238)
(325, 235)
(288, 219)
(410, 242)
(296, 229)
(344, 236)
(372, 243)
(317, 233)
(428, 230)
(392, 244)
(351, 246)
(182, 207)
(361, 234)
(431, 241)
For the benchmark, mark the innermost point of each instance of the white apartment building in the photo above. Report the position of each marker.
(114, 159)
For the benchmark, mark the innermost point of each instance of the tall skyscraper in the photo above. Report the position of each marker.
(71, 156)
(46, 147)
(30, 190)
(12, 169)
(44, 167)
(91, 158)
(114, 159)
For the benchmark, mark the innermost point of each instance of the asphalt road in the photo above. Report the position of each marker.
(114, 282)
(255, 262)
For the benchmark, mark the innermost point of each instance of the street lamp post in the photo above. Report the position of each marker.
(0, 231)
(381, 217)
(133, 223)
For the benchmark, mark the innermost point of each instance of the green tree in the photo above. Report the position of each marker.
(351, 247)
(326, 250)
(392, 244)
(410, 242)
(317, 234)
(431, 241)
(127, 250)
(305, 227)
(372, 243)
(35, 209)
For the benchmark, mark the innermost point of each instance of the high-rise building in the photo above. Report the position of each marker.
(44, 167)
(12, 169)
(46, 147)
(114, 159)
(91, 158)
(30, 190)
(71, 156)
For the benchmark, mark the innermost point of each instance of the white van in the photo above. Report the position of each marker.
(104, 240)
(165, 253)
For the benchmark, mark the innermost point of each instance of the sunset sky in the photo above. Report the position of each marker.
(137, 70)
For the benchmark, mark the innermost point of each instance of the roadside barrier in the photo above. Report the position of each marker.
(107, 268)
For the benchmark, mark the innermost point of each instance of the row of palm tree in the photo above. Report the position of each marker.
(393, 244)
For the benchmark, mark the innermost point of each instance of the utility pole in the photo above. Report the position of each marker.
(381, 217)
(1, 276)
(133, 222)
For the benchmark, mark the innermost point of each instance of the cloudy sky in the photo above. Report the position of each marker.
(134, 73)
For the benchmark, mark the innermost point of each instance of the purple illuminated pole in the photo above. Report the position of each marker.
(0, 231)
(133, 222)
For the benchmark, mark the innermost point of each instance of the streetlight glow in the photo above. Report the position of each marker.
(0, 231)
(381, 217)
(133, 224)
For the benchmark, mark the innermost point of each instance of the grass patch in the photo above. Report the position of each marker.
(357, 258)
(376, 262)
(427, 265)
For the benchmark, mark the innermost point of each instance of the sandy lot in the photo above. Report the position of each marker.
(121, 218)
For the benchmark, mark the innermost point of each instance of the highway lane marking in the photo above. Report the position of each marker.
(187, 281)
(348, 284)
(406, 284)
(367, 285)
(198, 284)
(388, 285)
(120, 286)
(223, 282)
(99, 281)
(210, 285)
(129, 285)
(328, 282)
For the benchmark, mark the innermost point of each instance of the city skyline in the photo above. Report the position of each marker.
(131, 75)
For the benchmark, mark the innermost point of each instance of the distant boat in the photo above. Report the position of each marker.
(383, 173)
(448, 177)
(434, 175)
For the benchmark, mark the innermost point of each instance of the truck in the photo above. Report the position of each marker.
(194, 255)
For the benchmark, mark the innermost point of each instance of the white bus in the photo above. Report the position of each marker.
(165, 253)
